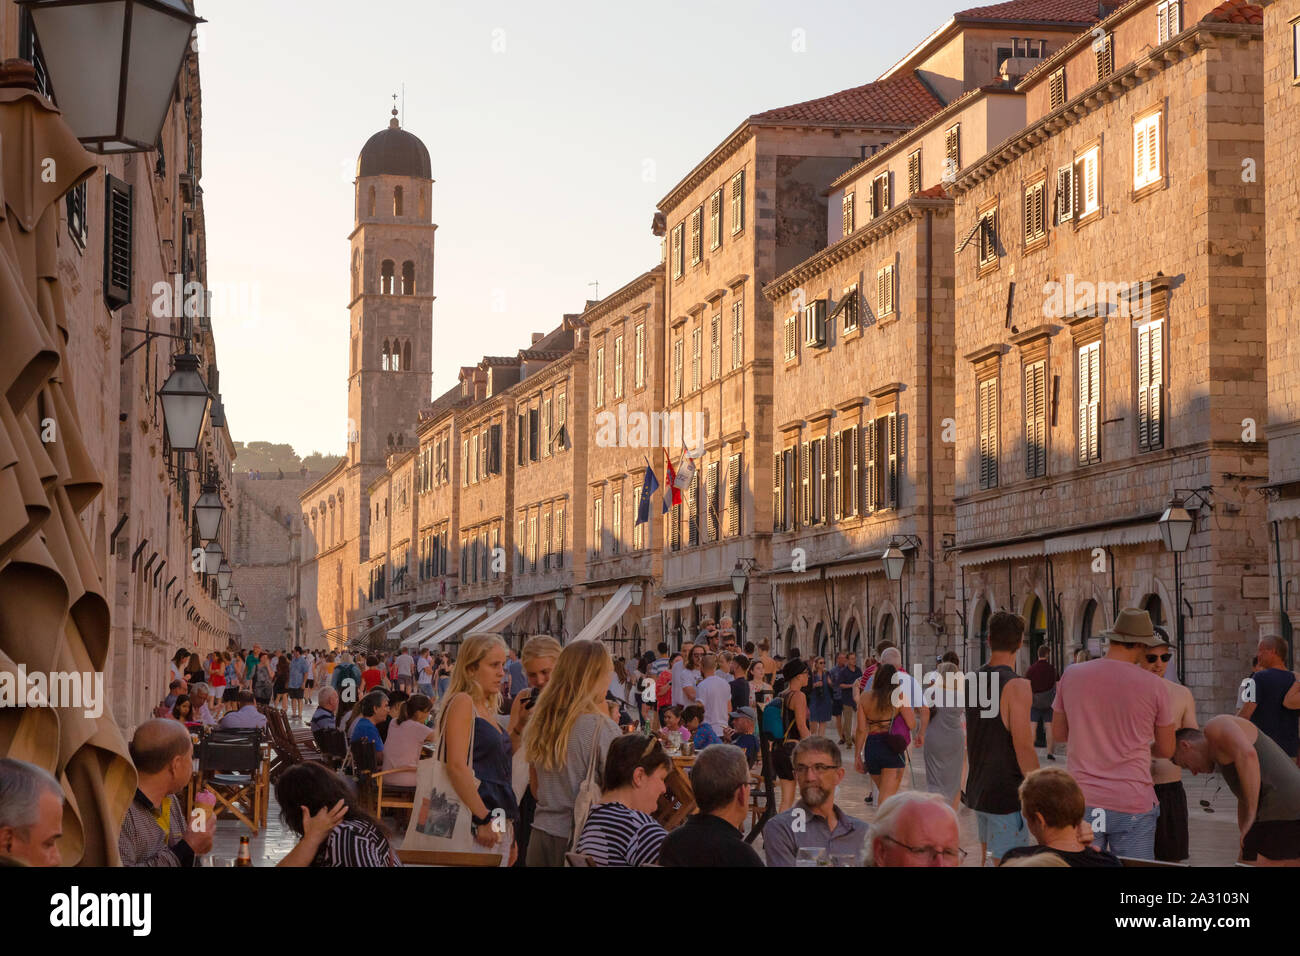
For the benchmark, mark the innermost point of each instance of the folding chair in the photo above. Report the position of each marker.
(370, 779)
(677, 802)
(332, 745)
(1133, 861)
(230, 765)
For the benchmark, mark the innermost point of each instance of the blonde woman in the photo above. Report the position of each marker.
(568, 732)
(476, 746)
(538, 661)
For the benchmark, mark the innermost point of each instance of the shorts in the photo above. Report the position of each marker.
(232, 693)
(1272, 839)
(280, 688)
(1040, 714)
(782, 765)
(837, 708)
(878, 756)
(1002, 831)
(1171, 826)
(310, 683)
(295, 693)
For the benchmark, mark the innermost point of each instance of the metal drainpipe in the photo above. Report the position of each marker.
(929, 394)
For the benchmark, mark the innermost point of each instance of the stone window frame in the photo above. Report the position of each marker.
(1034, 350)
(1036, 179)
(986, 210)
(1161, 181)
(1083, 216)
(1086, 332)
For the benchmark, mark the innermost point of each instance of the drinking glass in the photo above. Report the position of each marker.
(844, 859)
(810, 856)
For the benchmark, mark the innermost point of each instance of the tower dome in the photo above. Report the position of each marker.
(394, 152)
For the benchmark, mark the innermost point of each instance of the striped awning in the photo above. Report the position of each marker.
(430, 625)
(503, 616)
(977, 556)
(1111, 538)
(405, 625)
(605, 618)
(676, 604)
(452, 628)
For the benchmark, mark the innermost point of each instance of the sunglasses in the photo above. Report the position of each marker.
(1152, 658)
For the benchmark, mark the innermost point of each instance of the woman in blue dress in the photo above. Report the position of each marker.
(821, 697)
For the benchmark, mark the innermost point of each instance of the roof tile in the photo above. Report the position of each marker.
(1235, 11)
(1047, 11)
(898, 101)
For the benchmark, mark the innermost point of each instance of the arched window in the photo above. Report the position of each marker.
(372, 201)
(985, 615)
(408, 277)
(395, 365)
(387, 358)
(397, 200)
(386, 277)
(406, 356)
(1153, 606)
(356, 272)
(887, 629)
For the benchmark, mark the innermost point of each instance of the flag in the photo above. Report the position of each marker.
(648, 487)
(685, 472)
(676, 497)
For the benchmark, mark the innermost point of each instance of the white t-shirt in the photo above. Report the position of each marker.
(715, 694)
(683, 678)
(426, 670)
(404, 664)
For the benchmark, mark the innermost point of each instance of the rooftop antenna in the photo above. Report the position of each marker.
(597, 287)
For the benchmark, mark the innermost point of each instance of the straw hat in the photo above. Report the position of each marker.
(1134, 627)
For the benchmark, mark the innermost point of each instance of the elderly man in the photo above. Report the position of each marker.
(1273, 701)
(327, 707)
(31, 814)
(814, 820)
(246, 717)
(200, 697)
(914, 829)
(154, 832)
(712, 837)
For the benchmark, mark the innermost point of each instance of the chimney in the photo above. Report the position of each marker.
(538, 336)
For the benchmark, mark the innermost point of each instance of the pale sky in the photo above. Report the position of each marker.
(553, 130)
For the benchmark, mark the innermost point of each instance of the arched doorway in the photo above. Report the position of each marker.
(887, 631)
(1036, 628)
(852, 637)
(791, 640)
(1088, 627)
(820, 639)
(1155, 608)
(982, 636)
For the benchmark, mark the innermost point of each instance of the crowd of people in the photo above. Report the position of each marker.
(573, 749)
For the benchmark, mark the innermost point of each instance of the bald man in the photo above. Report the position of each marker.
(914, 829)
(155, 831)
(31, 814)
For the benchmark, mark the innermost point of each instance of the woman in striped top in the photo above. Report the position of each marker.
(317, 805)
(620, 830)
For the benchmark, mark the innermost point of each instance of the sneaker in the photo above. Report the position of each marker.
(868, 799)
(1051, 756)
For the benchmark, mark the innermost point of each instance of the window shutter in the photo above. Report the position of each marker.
(711, 502)
(546, 541)
(677, 368)
(737, 202)
(562, 418)
(805, 500)
(1153, 149)
(1174, 18)
(846, 213)
(674, 526)
(678, 263)
(639, 374)
(790, 337)
(1089, 403)
(914, 173)
(988, 433)
(1162, 23)
(715, 220)
(870, 211)
(697, 235)
(737, 335)
(495, 463)
(1104, 56)
(895, 457)
(693, 509)
(1139, 155)
(559, 536)
(1058, 89)
(733, 496)
(697, 357)
(869, 486)
(1064, 194)
(465, 461)
(618, 367)
(118, 236)
(616, 522)
(715, 346)
(777, 484)
(952, 147)
(851, 457)
(837, 489)
(1035, 400)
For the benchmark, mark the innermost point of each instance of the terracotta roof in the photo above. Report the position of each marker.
(1235, 11)
(1044, 11)
(500, 360)
(934, 192)
(898, 101)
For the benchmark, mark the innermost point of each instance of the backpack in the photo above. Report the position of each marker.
(773, 724)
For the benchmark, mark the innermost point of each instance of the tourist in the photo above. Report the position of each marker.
(424, 674)
(346, 679)
(1262, 776)
(621, 687)
(405, 740)
(793, 704)
(298, 670)
(914, 829)
(181, 710)
(741, 732)
(195, 671)
(475, 748)
(515, 671)
(1275, 704)
(741, 696)
(216, 678)
(175, 690)
(263, 680)
(835, 675)
(664, 687)
(537, 658)
(765, 657)
(180, 660)
(878, 740)
(620, 830)
(1172, 839)
(1000, 746)
(317, 805)
(163, 755)
(672, 727)
(200, 712)
(661, 662)
(1052, 805)
(815, 820)
(250, 661)
(821, 697)
(945, 740)
(565, 740)
(702, 732)
(712, 836)
(324, 670)
(241, 674)
(688, 676)
(31, 814)
(374, 708)
(760, 691)
(442, 673)
(327, 705)
(309, 679)
(1042, 679)
(1108, 712)
(372, 676)
(245, 716)
(714, 694)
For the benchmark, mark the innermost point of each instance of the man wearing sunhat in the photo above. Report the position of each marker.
(1108, 711)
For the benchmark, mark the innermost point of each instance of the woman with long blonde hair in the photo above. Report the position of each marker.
(567, 736)
(475, 744)
(537, 658)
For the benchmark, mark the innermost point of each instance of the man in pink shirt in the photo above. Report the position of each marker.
(1109, 711)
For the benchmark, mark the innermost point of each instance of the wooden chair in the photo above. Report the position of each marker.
(579, 859)
(231, 765)
(677, 802)
(1133, 861)
(332, 745)
(287, 748)
(443, 858)
(370, 780)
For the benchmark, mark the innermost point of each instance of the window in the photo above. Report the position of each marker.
(791, 336)
(715, 346)
(1090, 403)
(548, 426)
(733, 496)
(846, 213)
(533, 542)
(616, 522)
(397, 200)
(988, 236)
(693, 510)
(1035, 399)
(76, 203)
(408, 277)
(737, 202)
(697, 236)
(805, 487)
(737, 334)
(847, 465)
(674, 526)
(711, 525)
(547, 532)
(559, 536)
(474, 449)
(521, 546)
(534, 434)
(1103, 50)
(814, 323)
(677, 368)
(790, 488)
(986, 410)
(715, 220)
(778, 489)
(848, 308)
(885, 291)
(914, 172)
(618, 366)
(1146, 151)
(464, 461)
(638, 530)
(1168, 20)
(1064, 194)
(1035, 218)
(118, 236)
(697, 357)
(817, 479)
(952, 150)
(562, 420)
(600, 377)
(1150, 385)
(881, 200)
(1087, 192)
(638, 373)
(679, 262)
(597, 523)
(1057, 86)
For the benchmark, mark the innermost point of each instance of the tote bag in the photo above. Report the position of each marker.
(441, 820)
(588, 796)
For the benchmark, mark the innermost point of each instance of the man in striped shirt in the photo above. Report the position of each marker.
(154, 832)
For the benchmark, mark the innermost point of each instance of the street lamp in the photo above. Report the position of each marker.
(638, 591)
(739, 581)
(894, 560)
(212, 556)
(223, 574)
(185, 400)
(1176, 526)
(560, 601)
(207, 511)
(113, 65)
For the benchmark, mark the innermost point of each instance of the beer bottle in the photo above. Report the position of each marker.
(245, 858)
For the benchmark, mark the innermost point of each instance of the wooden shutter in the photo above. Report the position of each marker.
(837, 488)
(715, 346)
(711, 502)
(119, 228)
(791, 337)
(846, 213)
(618, 366)
(1105, 59)
(546, 541)
(1064, 194)
(870, 488)
(778, 513)
(1150, 385)
(952, 148)
(677, 251)
(1058, 89)
(850, 457)
(494, 459)
(790, 490)
(534, 434)
(733, 496)
(895, 457)
(559, 536)
(737, 202)
(988, 432)
(697, 235)
(737, 334)
(1089, 403)
(639, 374)
(804, 489)
(693, 510)
(1162, 23)
(677, 368)
(562, 419)
(914, 173)
(616, 522)
(715, 220)
(1035, 401)
(697, 357)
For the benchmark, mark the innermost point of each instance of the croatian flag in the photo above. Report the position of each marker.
(676, 497)
(648, 487)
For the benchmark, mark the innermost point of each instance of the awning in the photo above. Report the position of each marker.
(796, 577)
(1284, 510)
(604, 618)
(452, 628)
(1114, 537)
(716, 596)
(507, 613)
(431, 625)
(871, 566)
(973, 557)
(675, 604)
(397, 631)
(357, 641)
